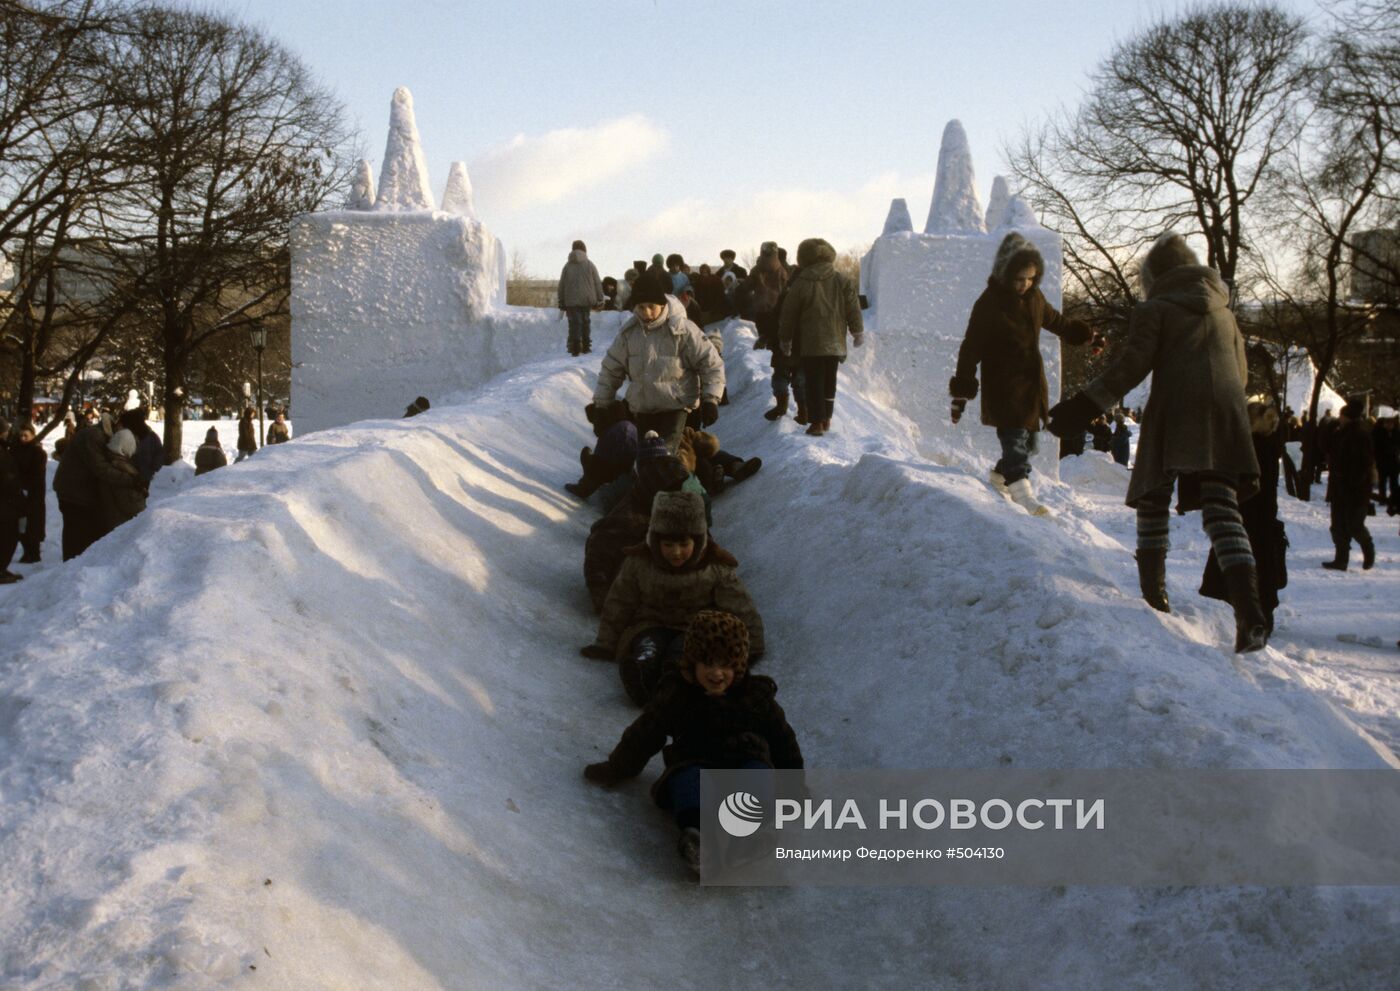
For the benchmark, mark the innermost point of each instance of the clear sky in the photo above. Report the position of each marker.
(649, 125)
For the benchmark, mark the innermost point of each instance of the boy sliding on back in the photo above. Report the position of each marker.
(716, 715)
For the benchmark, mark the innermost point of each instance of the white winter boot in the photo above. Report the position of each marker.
(1023, 495)
(998, 481)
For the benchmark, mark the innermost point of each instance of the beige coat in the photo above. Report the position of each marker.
(672, 367)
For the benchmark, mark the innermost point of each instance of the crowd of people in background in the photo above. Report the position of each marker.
(105, 465)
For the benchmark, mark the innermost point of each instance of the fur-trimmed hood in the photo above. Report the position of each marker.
(1169, 251)
(1013, 254)
(815, 251)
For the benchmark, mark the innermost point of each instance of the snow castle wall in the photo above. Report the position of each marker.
(921, 287)
(393, 299)
(386, 307)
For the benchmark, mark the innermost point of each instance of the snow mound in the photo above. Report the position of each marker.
(403, 182)
(1094, 471)
(322, 715)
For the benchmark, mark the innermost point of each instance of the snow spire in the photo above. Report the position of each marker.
(955, 209)
(898, 221)
(403, 179)
(996, 206)
(1019, 215)
(362, 189)
(457, 198)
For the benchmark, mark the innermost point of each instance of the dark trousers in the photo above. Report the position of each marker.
(82, 527)
(9, 540)
(1348, 524)
(681, 793)
(649, 657)
(819, 382)
(1018, 446)
(669, 424)
(32, 539)
(787, 372)
(1290, 475)
(580, 329)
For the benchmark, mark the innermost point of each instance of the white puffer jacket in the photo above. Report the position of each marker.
(671, 367)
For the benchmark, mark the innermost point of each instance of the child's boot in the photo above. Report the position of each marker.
(1152, 578)
(779, 411)
(1024, 496)
(688, 846)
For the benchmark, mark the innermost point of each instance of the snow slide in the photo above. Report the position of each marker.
(318, 722)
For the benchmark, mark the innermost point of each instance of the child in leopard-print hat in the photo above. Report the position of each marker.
(716, 715)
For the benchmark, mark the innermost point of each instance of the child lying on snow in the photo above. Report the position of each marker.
(626, 523)
(700, 453)
(663, 583)
(717, 716)
(616, 450)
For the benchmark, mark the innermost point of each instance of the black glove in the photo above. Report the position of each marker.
(596, 652)
(1072, 416)
(709, 412)
(957, 411)
(601, 773)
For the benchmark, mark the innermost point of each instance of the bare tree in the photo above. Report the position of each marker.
(1178, 130)
(1338, 180)
(230, 138)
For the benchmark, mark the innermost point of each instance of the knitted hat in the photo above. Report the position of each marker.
(677, 514)
(123, 442)
(657, 260)
(580, 246)
(717, 638)
(649, 288)
(211, 436)
(652, 446)
(1168, 252)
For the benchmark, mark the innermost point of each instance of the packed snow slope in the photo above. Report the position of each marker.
(318, 721)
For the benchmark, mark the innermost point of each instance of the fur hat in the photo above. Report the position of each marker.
(649, 288)
(678, 514)
(1013, 254)
(714, 637)
(123, 442)
(728, 254)
(1169, 251)
(580, 246)
(814, 251)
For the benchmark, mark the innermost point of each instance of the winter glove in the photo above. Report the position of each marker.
(858, 340)
(958, 406)
(598, 653)
(709, 412)
(1072, 416)
(601, 773)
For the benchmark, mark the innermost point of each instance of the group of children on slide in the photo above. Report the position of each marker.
(683, 629)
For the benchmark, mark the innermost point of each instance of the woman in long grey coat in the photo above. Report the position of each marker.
(1195, 429)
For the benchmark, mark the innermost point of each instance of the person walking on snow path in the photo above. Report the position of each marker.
(670, 366)
(32, 461)
(821, 306)
(1195, 429)
(580, 290)
(210, 454)
(247, 436)
(1351, 472)
(1003, 337)
(11, 506)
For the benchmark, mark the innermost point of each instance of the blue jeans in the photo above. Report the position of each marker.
(681, 793)
(1017, 446)
(579, 328)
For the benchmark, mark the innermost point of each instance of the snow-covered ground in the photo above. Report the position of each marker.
(318, 721)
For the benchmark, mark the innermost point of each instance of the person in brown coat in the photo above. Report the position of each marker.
(1351, 472)
(1195, 427)
(716, 715)
(121, 489)
(821, 306)
(1003, 337)
(247, 436)
(663, 583)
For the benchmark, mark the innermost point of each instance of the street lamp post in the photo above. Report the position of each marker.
(257, 334)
